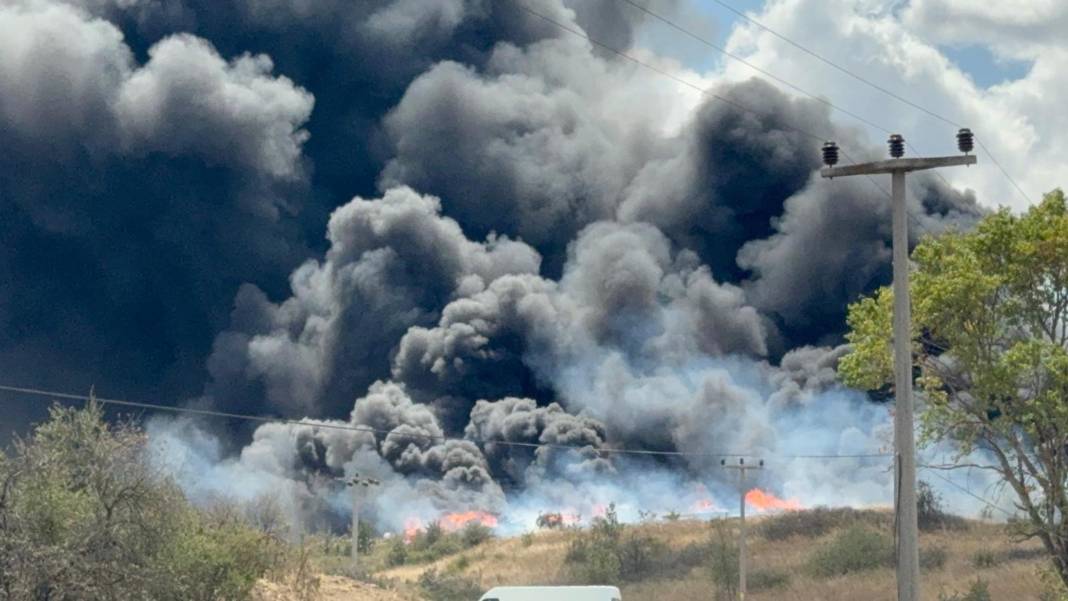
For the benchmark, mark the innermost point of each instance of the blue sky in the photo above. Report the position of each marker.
(1004, 81)
(985, 68)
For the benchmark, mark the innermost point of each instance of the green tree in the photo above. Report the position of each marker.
(84, 514)
(990, 344)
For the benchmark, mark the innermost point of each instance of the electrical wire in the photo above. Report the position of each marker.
(766, 73)
(37, 392)
(434, 438)
(967, 491)
(664, 72)
(821, 99)
(699, 89)
(877, 87)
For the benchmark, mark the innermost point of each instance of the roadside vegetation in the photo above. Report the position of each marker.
(990, 347)
(85, 515)
(831, 554)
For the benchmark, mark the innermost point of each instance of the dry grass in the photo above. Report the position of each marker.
(331, 588)
(510, 562)
(537, 559)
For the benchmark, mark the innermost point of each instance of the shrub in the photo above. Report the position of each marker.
(723, 561)
(434, 543)
(722, 556)
(978, 591)
(607, 554)
(213, 559)
(475, 534)
(459, 564)
(930, 512)
(856, 549)
(429, 537)
(640, 557)
(81, 492)
(984, 559)
(366, 537)
(447, 545)
(591, 563)
(398, 553)
(592, 557)
(767, 578)
(933, 558)
(527, 539)
(816, 522)
(448, 587)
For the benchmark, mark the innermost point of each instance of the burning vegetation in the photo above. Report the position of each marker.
(765, 501)
(449, 523)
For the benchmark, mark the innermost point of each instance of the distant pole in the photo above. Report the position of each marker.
(355, 483)
(743, 489)
(355, 527)
(741, 537)
(907, 531)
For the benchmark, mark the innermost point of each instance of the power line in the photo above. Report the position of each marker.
(834, 65)
(699, 89)
(821, 99)
(875, 86)
(725, 52)
(412, 435)
(789, 84)
(966, 491)
(664, 72)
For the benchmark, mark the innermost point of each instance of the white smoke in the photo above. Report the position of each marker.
(641, 348)
(549, 264)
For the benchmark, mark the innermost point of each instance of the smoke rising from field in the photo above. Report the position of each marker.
(448, 222)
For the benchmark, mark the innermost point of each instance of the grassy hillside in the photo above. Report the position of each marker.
(85, 514)
(821, 554)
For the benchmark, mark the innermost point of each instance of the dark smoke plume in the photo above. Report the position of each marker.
(524, 244)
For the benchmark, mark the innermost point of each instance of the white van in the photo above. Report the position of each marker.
(553, 593)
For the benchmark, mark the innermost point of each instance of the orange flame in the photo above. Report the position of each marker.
(412, 526)
(766, 501)
(452, 522)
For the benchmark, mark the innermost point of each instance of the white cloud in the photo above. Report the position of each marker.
(1020, 120)
(1023, 28)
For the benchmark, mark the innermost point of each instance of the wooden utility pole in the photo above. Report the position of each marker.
(355, 483)
(907, 532)
(743, 489)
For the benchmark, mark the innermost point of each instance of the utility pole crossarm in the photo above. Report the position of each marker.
(892, 165)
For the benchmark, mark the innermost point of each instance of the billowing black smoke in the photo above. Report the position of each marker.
(135, 196)
(143, 180)
(524, 245)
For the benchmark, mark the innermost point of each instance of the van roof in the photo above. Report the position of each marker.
(613, 590)
(556, 588)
